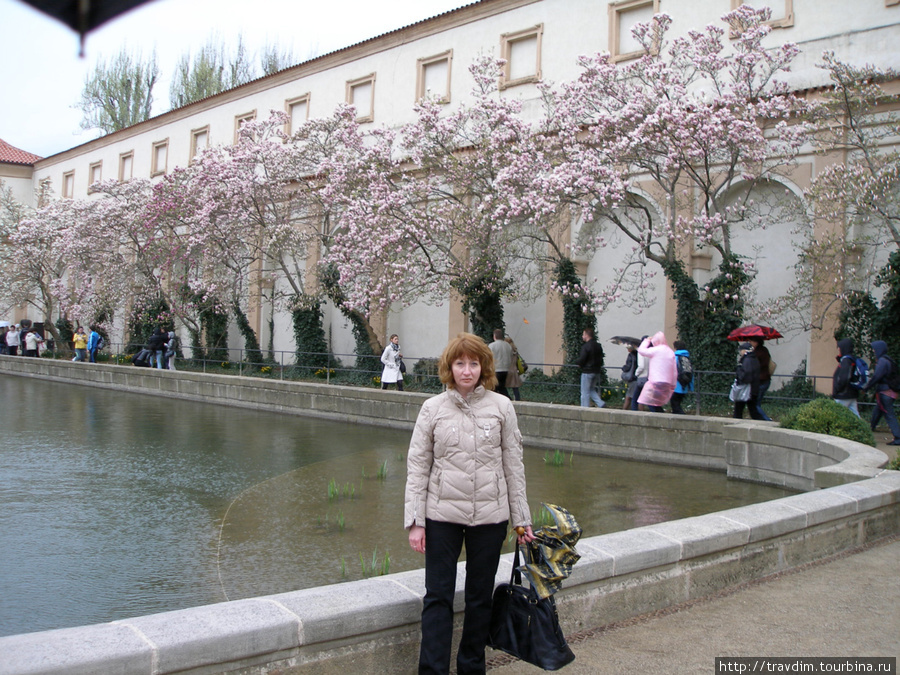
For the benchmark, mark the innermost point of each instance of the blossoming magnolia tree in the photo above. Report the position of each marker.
(445, 203)
(851, 239)
(697, 123)
(32, 255)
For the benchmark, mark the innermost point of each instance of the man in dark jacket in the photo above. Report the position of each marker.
(881, 380)
(591, 362)
(842, 389)
(157, 345)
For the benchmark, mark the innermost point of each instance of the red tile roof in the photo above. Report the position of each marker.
(12, 155)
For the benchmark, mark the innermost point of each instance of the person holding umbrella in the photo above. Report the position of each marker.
(766, 368)
(465, 485)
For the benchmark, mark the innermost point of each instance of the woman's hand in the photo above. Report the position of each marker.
(525, 535)
(417, 538)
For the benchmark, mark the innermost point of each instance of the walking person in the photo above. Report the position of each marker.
(640, 378)
(12, 340)
(392, 360)
(514, 374)
(590, 360)
(171, 349)
(842, 383)
(157, 346)
(685, 376)
(465, 485)
(80, 342)
(747, 372)
(503, 361)
(629, 375)
(662, 373)
(766, 368)
(885, 380)
(93, 344)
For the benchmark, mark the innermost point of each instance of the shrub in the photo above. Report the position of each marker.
(894, 464)
(824, 416)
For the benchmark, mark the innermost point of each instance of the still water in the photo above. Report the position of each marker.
(115, 505)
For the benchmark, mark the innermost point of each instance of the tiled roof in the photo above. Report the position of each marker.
(12, 155)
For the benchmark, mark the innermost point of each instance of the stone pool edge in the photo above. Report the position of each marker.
(372, 624)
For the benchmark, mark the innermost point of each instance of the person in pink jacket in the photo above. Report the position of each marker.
(662, 372)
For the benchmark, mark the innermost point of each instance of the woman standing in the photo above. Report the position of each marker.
(80, 341)
(12, 340)
(513, 378)
(662, 372)
(171, 349)
(747, 372)
(465, 484)
(33, 342)
(392, 358)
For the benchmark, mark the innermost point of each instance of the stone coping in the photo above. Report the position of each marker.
(372, 625)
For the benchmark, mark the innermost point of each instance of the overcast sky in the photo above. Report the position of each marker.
(41, 74)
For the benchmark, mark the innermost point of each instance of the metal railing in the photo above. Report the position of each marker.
(542, 382)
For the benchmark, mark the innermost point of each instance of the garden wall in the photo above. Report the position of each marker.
(372, 625)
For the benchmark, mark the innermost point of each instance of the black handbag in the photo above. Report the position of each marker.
(526, 626)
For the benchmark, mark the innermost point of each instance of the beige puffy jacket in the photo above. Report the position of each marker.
(465, 462)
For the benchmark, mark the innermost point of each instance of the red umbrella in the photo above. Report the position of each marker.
(754, 331)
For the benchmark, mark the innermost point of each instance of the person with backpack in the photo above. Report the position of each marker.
(93, 344)
(848, 378)
(684, 381)
(885, 381)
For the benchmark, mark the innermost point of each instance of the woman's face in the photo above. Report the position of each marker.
(466, 373)
(395, 340)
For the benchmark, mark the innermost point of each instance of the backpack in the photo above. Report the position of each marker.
(101, 343)
(685, 370)
(893, 377)
(860, 375)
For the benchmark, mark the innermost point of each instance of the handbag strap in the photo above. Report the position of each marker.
(515, 578)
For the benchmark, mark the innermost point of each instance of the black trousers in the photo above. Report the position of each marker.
(443, 544)
(501, 383)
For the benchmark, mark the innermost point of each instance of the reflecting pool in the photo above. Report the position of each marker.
(115, 505)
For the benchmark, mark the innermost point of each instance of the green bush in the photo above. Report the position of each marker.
(824, 416)
(894, 464)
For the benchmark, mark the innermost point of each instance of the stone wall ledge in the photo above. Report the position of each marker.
(372, 625)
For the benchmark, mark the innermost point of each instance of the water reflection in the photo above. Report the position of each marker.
(114, 505)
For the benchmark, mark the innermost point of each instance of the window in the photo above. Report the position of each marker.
(433, 76)
(522, 52)
(68, 184)
(298, 110)
(239, 120)
(95, 173)
(361, 95)
(622, 18)
(160, 158)
(199, 141)
(782, 11)
(126, 165)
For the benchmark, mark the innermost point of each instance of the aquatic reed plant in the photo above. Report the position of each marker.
(382, 471)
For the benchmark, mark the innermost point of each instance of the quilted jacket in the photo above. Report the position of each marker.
(465, 462)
